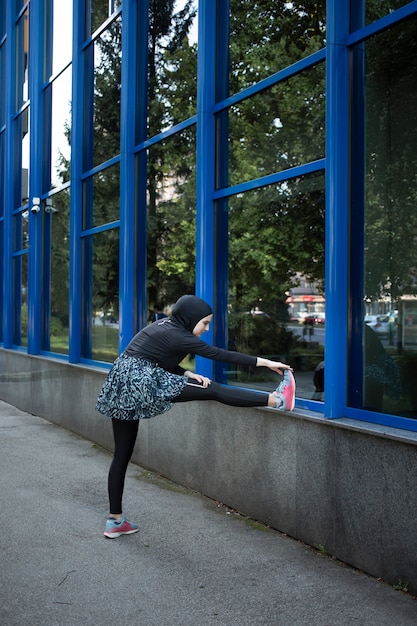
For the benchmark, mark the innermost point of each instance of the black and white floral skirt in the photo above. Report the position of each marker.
(137, 389)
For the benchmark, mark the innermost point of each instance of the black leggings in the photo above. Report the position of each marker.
(233, 396)
(125, 431)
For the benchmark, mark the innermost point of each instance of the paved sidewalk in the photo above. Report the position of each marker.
(194, 563)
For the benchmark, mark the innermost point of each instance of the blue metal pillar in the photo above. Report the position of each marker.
(76, 200)
(337, 174)
(141, 129)
(127, 174)
(205, 239)
(36, 56)
(357, 200)
(221, 224)
(9, 176)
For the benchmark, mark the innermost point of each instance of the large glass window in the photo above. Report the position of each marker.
(56, 273)
(266, 37)
(101, 192)
(61, 34)
(171, 219)
(19, 187)
(275, 233)
(172, 65)
(172, 98)
(101, 206)
(101, 305)
(60, 130)
(102, 115)
(22, 60)
(20, 290)
(386, 381)
(22, 164)
(101, 197)
(279, 128)
(276, 279)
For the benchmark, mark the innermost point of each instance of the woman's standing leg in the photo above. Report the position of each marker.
(125, 434)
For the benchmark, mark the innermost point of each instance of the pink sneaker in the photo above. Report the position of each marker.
(286, 392)
(116, 529)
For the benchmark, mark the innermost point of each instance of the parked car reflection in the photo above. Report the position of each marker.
(378, 323)
(315, 318)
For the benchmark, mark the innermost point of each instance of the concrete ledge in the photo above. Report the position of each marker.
(343, 485)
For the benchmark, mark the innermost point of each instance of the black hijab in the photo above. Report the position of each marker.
(189, 310)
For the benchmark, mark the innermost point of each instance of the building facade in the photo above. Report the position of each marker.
(151, 149)
(261, 155)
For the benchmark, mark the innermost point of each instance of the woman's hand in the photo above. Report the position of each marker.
(275, 366)
(203, 380)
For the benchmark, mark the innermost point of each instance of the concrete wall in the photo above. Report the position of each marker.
(345, 485)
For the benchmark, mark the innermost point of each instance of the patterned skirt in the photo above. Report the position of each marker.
(137, 389)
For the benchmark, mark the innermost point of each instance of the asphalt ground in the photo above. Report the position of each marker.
(194, 562)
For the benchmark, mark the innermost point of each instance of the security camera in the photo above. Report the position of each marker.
(48, 206)
(36, 205)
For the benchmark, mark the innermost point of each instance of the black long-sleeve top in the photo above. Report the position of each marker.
(166, 342)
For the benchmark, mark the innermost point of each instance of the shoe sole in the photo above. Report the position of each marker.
(115, 535)
(292, 385)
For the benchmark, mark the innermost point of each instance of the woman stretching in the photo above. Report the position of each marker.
(146, 380)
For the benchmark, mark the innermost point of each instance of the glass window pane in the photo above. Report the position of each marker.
(101, 308)
(276, 280)
(57, 225)
(104, 117)
(20, 288)
(22, 60)
(21, 230)
(280, 128)
(375, 9)
(101, 198)
(97, 12)
(267, 36)
(61, 129)
(172, 71)
(171, 219)
(21, 181)
(62, 34)
(389, 365)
